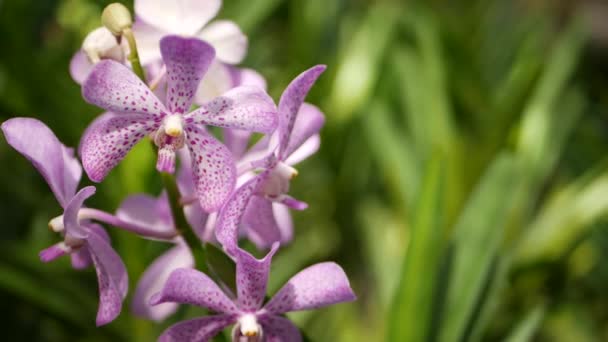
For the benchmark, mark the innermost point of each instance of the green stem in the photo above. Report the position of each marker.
(181, 224)
(133, 55)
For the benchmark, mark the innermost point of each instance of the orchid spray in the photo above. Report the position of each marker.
(223, 190)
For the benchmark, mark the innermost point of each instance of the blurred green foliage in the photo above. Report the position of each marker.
(462, 180)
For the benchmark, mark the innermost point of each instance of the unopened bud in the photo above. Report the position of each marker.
(100, 44)
(116, 18)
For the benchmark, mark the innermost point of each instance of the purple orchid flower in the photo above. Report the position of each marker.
(266, 218)
(84, 241)
(317, 286)
(138, 113)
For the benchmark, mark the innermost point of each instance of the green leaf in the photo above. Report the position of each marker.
(221, 265)
(411, 312)
(524, 331)
(477, 237)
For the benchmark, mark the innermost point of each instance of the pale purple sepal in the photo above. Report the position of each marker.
(279, 329)
(51, 253)
(70, 215)
(80, 67)
(198, 329)
(252, 278)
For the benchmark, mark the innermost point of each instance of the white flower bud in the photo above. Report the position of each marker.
(102, 44)
(116, 17)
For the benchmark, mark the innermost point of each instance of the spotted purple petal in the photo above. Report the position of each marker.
(213, 168)
(189, 286)
(111, 276)
(316, 286)
(279, 329)
(290, 102)
(107, 141)
(198, 329)
(70, 215)
(245, 107)
(260, 224)
(252, 278)
(57, 164)
(147, 211)
(187, 60)
(114, 87)
(154, 278)
(309, 121)
(227, 228)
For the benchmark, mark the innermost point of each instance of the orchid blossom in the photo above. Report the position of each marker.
(138, 113)
(317, 286)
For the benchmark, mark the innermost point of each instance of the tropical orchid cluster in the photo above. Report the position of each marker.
(167, 78)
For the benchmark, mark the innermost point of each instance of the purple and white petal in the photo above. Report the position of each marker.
(218, 80)
(57, 164)
(52, 253)
(70, 215)
(81, 258)
(317, 286)
(279, 329)
(185, 17)
(227, 228)
(198, 329)
(236, 140)
(147, 211)
(80, 67)
(111, 276)
(290, 102)
(148, 39)
(154, 278)
(252, 278)
(244, 76)
(114, 87)
(213, 168)
(260, 224)
(245, 107)
(309, 121)
(284, 221)
(187, 60)
(189, 286)
(226, 37)
(308, 148)
(107, 141)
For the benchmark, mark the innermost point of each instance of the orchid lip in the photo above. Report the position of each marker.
(248, 325)
(174, 126)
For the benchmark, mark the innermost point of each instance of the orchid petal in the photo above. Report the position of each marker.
(290, 102)
(309, 121)
(252, 278)
(227, 228)
(184, 17)
(317, 286)
(218, 80)
(55, 162)
(279, 329)
(148, 39)
(52, 253)
(114, 87)
(213, 168)
(308, 148)
(189, 286)
(111, 276)
(154, 278)
(187, 60)
(236, 140)
(244, 76)
(81, 258)
(284, 221)
(228, 40)
(245, 107)
(198, 329)
(107, 141)
(260, 224)
(147, 211)
(80, 67)
(70, 215)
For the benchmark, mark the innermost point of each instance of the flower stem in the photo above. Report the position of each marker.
(181, 224)
(133, 55)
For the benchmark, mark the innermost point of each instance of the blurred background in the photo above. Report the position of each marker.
(462, 180)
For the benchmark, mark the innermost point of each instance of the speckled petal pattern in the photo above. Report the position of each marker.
(188, 286)
(107, 141)
(279, 329)
(252, 278)
(290, 102)
(187, 60)
(260, 224)
(245, 107)
(317, 286)
(213, 168)
(114, 87)
(197, 330)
